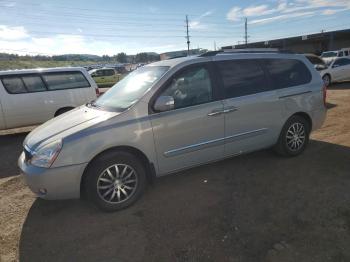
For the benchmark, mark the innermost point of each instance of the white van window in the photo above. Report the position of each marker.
(66, 80)
(13, 85)
(108, 72)
(34, 83)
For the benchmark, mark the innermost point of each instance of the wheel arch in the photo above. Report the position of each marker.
(306, 116)
(57, 113)
(149, 166)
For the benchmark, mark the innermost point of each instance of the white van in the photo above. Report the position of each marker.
(31, 97)
(330, 56)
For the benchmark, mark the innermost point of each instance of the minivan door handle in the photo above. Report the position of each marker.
(230, 109)
(216, 112)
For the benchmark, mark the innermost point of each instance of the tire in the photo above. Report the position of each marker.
(63, 110)
(290, 145)
(111, 192)
(327, 80)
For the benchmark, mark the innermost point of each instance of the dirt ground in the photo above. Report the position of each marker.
(256, 207)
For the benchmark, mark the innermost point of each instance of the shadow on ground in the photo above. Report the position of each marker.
(256, 207)
(10, 150)
(340, 86)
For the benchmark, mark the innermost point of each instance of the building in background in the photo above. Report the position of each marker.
(181, 53)
(313, 43)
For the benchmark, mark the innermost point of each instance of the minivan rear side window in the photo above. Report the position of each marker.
(65, 80)
(242, 77)
(287, 72)
(34, 83)
(14, 85)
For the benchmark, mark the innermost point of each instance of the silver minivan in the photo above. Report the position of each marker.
(173, 115)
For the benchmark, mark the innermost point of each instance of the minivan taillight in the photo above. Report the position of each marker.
(97, 92)
(324, 95)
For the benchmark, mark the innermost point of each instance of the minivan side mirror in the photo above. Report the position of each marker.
(164, 103)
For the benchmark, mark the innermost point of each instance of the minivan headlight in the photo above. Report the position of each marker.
(46, 155)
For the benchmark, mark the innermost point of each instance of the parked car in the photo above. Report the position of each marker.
(31, 97)
(172, 115)
(317, 61)
(105, 77)
(330, 56)
(339, 70)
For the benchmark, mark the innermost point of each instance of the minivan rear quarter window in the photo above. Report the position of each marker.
(287, 72)
(14, 85)
(65, 80)
(242, 77)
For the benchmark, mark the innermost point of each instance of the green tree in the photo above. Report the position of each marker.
(121, 57)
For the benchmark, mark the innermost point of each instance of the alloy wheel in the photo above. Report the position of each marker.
(295, 137)
(117, 183)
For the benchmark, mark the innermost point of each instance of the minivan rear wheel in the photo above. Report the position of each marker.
(294, 137)
(115, 180)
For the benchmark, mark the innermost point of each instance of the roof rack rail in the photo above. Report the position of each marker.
(258, 50)
(210, 53)
(246, 51)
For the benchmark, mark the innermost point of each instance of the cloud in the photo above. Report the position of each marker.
(13, 33)
(257, 10)
(55, 44)
(234, 14)
(285, 9)
(281, 17)
(197, 23)
(153, 9)
(8, 3)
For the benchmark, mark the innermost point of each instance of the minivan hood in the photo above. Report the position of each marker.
(66, 124)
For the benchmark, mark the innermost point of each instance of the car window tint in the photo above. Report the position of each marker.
(99, 73)
(341, 62)
(190, 87)
(34, 83)
(57, 81)
(287, 72)
(13, 85)
(108, 72)
(346, 53)
(242, 77)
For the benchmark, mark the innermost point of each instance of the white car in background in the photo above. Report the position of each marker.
(31, 97)
(338, 70)
(330, 56)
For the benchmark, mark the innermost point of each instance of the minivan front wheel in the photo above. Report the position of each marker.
(115, 180)
(294, 137)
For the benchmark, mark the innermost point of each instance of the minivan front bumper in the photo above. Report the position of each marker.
(53, 183)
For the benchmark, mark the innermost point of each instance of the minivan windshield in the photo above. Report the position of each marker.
(131, 88)
(329, 54)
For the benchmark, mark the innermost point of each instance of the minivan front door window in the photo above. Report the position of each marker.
(129, 90)
(191, 87)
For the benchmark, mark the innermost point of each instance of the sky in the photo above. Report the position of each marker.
(111, 26)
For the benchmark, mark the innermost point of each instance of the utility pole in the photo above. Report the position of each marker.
(187, 37)
(246, 32)
(214, 45)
